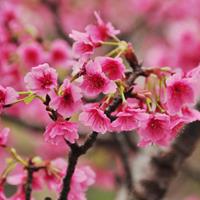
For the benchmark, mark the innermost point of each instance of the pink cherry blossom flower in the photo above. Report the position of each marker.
(57, 132)
(7, 96)
(59, 53)
(68, 100)
(176, 124)
(190, 114)
(31, 54)
(112, 67)
(42, 79)
(82, 45)
(4, 136)
(101, 31)
(83, 178)
(53, 179)
(19, 178)
(179, 93)
(129, 119)
(156, 130)
(187, 115)
(95, 81)
(194, 73)
(95, 118)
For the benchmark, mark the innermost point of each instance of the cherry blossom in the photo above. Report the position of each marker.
(129, 119)
(41, 80)
(101, 31)
(7, 96)
(95, 81)
(68, 100)
(156, 130)
(179, 92)
(95, 118)
(58, 131)
(112, 67)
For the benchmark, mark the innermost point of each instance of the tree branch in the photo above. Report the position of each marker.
(28, 185)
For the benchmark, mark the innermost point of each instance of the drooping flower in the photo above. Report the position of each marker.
(68, 100)
(179, 93)
(112, 67)
(59, 131)
(7, 96)
(129, 119)
(156, 129)
(100, 31)
(95, 118)
(42, 79)
(4, 136)
(95, 81)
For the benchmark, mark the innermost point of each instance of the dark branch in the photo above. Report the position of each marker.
(28, 185)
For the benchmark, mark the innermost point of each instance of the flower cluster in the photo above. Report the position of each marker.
(50, 174)
(105, 93)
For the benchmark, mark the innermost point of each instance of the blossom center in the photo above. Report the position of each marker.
(2, 97)
(96, 81)
(45, 80)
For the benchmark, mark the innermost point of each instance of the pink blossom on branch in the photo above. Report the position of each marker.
(59, 131)
(94, 117)
(100, 31)
(112, 67)
(155, 130)
(82, 45)
(95, 81)
(7, 96)
(68, 99)
(83, 177)
(41, 80)
(129, 119)
(31, 54)
(180, 92)
(59, 53)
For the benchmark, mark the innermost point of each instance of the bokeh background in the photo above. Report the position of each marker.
(163, 33)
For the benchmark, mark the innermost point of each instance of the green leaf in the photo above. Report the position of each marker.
(29, 98)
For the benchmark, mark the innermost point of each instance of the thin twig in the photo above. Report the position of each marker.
(28, 185)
